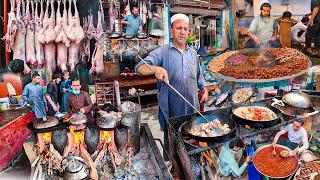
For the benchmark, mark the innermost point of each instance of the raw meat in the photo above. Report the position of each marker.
(38, 26)
(30, 34)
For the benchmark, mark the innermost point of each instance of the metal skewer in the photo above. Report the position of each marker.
(176, 91)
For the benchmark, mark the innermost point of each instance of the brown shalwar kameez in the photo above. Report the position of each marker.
(76, 102)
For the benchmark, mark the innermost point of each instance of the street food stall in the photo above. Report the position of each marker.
(91, 41)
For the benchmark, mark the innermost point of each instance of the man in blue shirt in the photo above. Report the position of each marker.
(229, 157)
(179, 65)
(263, 30)
(312, 34)
(32, 94)
(133, 22)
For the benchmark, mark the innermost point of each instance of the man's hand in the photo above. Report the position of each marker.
(311, 22)
(205, 96)
(273, 38)
(295, 152)
(46, 108)
(248, 159)
(257, 40)
(82, 110)
(55, 108)
(64, 90)
(161, 74)
(237, 157)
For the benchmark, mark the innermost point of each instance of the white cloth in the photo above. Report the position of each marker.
(179, 16)
(297, 137)
(294, 32)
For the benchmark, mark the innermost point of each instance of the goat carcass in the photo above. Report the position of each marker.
(62, 40)
(30, 35)
(75, 34)
(50, 32)
(50, 46)
(38, 26)
(19, 46)
(97, 58)
(12, 28)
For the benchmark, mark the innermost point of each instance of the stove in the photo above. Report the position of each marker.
(186, 153)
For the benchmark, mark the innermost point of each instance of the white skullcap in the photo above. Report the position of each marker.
(264, 1)
(179, 16)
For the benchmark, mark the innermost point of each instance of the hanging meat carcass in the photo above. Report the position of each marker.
(62, 40)
(12, 28)
(30, 34)
(50, 46)
(75, 34)
(97, 57)
(19, 46)
(38, 26)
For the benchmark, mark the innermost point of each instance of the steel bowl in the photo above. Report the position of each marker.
(277, 145)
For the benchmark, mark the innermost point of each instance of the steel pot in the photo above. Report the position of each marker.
(297, 99)
(270, 146)
(75, 168)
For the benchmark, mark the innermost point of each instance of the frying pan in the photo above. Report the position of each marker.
(196, 121)
(256, 124)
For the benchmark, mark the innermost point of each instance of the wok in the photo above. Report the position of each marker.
(269, 146)
(256, 124)
(195, 121)
(297, 99)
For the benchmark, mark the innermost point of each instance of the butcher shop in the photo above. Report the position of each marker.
(160, 89)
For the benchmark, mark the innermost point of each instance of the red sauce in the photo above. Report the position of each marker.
(274, 166)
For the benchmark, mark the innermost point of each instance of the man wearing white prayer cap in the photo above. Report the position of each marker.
(177, 64)
(263, 29)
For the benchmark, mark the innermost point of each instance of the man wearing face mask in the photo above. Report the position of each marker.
(32, 94)
(263, 30)
(79, 101)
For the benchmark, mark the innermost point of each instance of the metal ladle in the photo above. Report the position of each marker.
(175, 90)
(274, 151)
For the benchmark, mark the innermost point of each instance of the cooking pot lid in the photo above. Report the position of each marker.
(297, 99)
(78, 118)
(74, 166)
(109, 120)
(40, 124)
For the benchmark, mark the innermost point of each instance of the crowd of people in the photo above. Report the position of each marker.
(62, 95)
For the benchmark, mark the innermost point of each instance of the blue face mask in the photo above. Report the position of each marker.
(76, 92)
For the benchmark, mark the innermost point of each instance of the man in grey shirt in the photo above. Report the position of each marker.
(178, 65)
(263, 30)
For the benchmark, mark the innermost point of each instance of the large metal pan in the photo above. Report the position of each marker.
(297, 99)
(196, 121)
(270, 156)
(256, 124)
